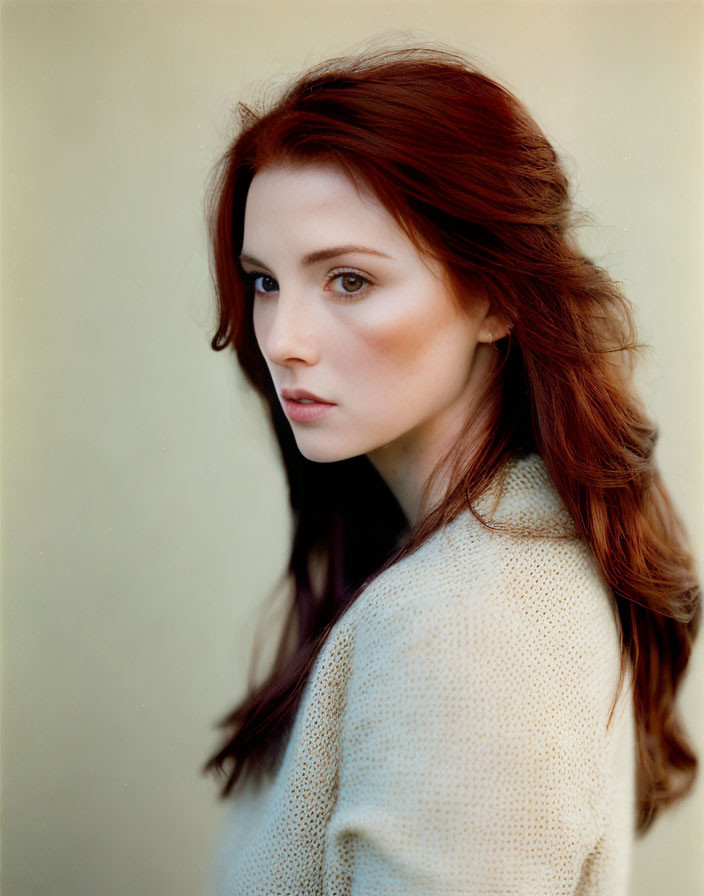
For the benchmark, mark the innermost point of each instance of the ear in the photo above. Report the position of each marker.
(494, 326)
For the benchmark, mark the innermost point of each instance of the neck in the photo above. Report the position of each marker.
(407, 465)
(406, 470)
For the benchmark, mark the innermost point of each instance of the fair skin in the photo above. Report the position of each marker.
(373, 333)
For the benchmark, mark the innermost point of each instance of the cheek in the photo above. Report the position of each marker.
(391, 333)
(260, 324)
(380, 358)
(396, 350)
(257, 323)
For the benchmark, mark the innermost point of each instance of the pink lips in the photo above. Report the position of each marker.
(303, 411)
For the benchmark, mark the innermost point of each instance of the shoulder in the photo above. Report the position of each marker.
(469, 576)
(519, 596)
(498, 609)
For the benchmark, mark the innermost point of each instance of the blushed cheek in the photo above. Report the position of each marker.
(415, 365)
(391, 339)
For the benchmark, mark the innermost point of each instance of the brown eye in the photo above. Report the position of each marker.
(355, 280)
(352, 283)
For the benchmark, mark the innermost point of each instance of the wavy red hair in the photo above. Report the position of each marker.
(472, 180)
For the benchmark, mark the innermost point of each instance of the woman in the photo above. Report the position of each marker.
(492, 600)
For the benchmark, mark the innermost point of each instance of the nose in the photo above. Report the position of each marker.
(285, 329)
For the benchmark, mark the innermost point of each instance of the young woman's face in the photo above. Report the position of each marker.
(347, 310)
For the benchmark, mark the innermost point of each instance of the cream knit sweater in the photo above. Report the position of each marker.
(452, 737)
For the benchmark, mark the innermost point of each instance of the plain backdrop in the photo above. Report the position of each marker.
(144, 511)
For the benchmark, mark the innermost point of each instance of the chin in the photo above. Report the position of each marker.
(325, 455)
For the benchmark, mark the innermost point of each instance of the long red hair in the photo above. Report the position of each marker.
(472, 180)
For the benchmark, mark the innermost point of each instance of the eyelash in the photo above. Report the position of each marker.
(253, 276)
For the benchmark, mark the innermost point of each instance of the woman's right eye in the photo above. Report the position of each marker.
(268, 284)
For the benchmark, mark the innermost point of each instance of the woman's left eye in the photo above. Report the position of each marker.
(352, 282)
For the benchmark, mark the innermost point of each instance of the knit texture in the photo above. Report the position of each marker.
(452, 737)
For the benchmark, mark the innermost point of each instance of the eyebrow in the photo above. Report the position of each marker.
(320, 255)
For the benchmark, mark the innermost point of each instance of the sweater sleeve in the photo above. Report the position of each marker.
(472, 743)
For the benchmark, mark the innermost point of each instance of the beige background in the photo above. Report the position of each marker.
(144, 511)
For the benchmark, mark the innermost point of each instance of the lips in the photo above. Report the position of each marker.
(303, 397)
(302, 406)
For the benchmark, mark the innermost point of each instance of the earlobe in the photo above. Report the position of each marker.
(494, 327)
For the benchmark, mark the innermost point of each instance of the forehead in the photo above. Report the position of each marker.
(309, 177)
(313, 205)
